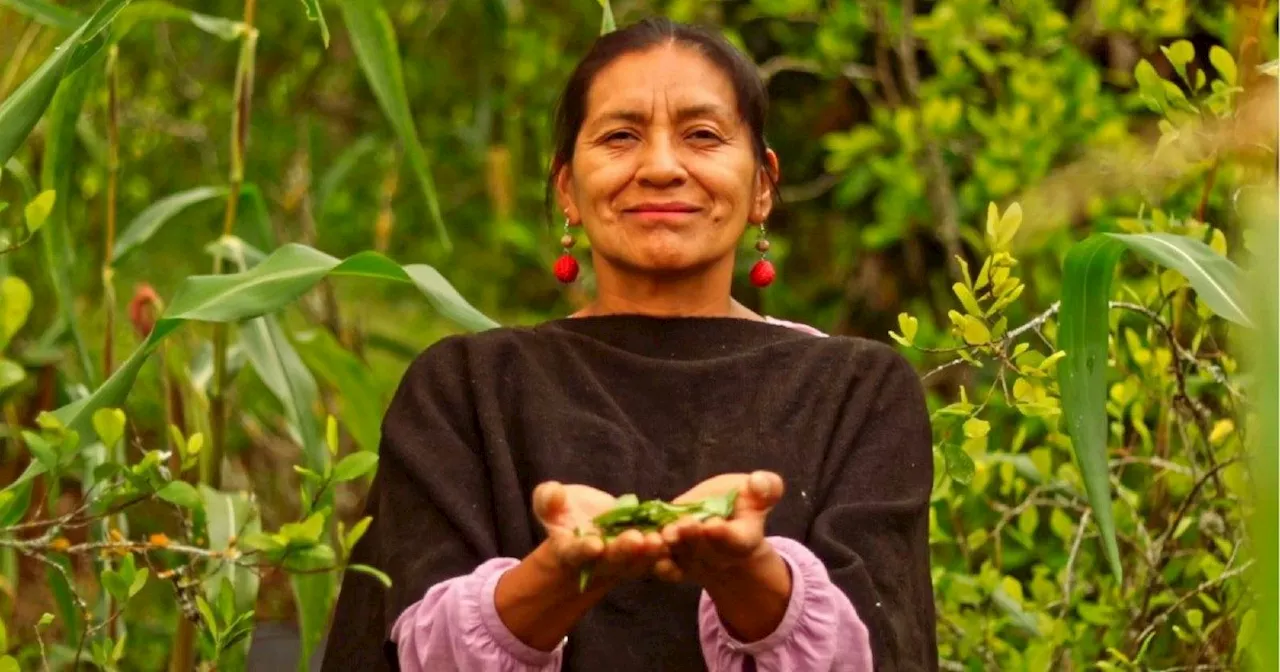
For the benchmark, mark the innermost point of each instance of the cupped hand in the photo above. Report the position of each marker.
(714, 548)
(567, 512)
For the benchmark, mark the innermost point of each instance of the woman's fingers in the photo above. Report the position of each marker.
(764, 488)
(667, 570)
(548, 501)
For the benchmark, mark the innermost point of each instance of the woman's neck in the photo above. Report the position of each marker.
(704, 295)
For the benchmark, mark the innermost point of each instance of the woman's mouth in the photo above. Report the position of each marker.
(666, 211)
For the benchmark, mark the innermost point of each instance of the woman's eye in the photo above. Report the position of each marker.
(705, 134)
(618, 136)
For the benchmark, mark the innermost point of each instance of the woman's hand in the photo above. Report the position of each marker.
(706, 551)
(743, 575)
(568, 511)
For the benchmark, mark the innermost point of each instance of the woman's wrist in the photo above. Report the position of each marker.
(752, 598)
(538, 600)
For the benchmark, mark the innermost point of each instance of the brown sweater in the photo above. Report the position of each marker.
(653, 406)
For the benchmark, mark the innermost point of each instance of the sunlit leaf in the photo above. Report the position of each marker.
(354, 466)
(1223, 63)
(37, 211)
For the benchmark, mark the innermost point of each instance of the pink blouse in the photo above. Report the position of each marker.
(457, 627)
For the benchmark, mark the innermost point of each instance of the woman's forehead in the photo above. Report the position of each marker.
(673, 81)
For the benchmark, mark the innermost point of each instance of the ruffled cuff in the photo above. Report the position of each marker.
(819, 622)
(456, 626)
(498, 630)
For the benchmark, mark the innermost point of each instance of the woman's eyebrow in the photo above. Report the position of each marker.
(635, 116)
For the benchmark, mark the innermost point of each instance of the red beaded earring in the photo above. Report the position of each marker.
(762, 273)
(566, 267)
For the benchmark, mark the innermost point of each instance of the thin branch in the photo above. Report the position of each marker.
(1207, 585)
(941, 368)
(785, 63)
(1071, 563)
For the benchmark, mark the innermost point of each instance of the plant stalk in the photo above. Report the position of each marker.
(106, 606)
(183, 657)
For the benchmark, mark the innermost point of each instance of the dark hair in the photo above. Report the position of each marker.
(753, 100)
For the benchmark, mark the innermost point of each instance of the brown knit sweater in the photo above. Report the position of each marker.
(649, 405)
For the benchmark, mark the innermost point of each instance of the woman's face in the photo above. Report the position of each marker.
(663, 176)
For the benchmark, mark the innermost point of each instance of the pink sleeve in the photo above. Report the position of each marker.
(820, 630)
(456, 627)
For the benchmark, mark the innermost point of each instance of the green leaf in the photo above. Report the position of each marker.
(150, 220)
(315, 14)
(284, 276)
(207, 615)
(374, 41)
(282, 371)
(357, 531)
(229, 515)
(363, 399)
(976, 428)
(23, 108)
(354, 466)
(963, 293)
(46, 13)
(181, 493)
(1082, 333)
(16, 306)
(59, 255)
(909, 326)
(1223, 63)
(37, 211)
(974, 331)
(11, 374)
(378, 574)
(115, 584)
(607, 24)
(108, 423)
(960, 466)
(351, 158)
(331, 435)
(139, 581)
(45, 619)
(158, 10)
(1216, 279)
(1179, 54)
(1150, 84)
(313, 594)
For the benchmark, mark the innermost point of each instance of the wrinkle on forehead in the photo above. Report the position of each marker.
(669, 83)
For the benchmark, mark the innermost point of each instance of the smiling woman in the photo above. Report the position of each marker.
(500, 449)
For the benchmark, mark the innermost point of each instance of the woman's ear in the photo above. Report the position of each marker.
(564, 194)
(763, 203)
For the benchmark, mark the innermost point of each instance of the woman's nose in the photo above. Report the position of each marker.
(660, 165)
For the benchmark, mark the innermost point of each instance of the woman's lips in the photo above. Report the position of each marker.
(662, 212)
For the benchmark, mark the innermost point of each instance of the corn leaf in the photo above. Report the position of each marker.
(23, 108)
(279, 280)
(156, 215)
(374, 41)
(1083, 330)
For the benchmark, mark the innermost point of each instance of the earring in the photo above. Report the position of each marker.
(566, 267)
(762, 273)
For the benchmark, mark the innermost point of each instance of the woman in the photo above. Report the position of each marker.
(498, 445)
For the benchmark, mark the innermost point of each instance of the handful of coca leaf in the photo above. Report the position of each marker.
(651, 516)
